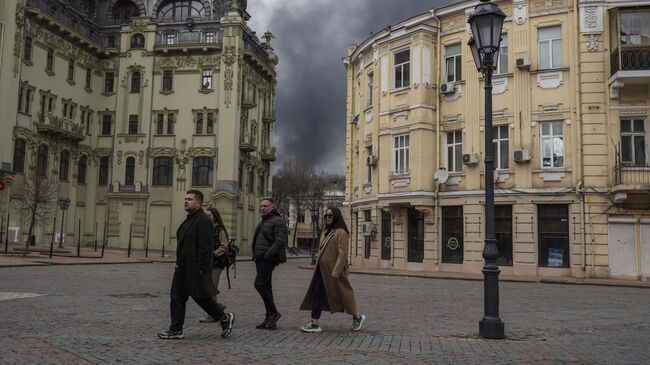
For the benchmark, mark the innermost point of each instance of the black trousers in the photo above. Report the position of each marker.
(178, 305)
(263, 284)
(317, 296)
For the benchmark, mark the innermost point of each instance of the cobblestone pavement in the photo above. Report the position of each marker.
(95, 314)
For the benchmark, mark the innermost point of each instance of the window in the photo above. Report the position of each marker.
(170, 38)
(552, 144)
(415, 252)
(549, 43)
(503, 231)
(179, 10)
(89, 119)
(162, 171)
(160, 123)
(261, 185)
(386, 224)
(25, 93)
(111, 41)
(81, 170)
(199, 123)
(19, 155)
(502, 59)
(453, 64)
(367, 217)
(553, 228)
(635, 29)
(210, 126)
(301, 217)
(633, 142)
(88, 78)
(452, 235)
(49, 64)
(206, 79)
(209, 37)
(368, 165)
(501, 148)
(371, 85)
(41, 161)
(109, 83)
(135, 82)
(124, 10)
(167, 80)
(103, 170)
(402, 68)
(251, 180)
(27, 51)
(28, 100)
(129, 172)
(401, 154)
(71, 70)
(137, 41)
(133, 124)
(170, 123)
(455, 151)
(202, 171)
(106, 125)
(64, 165)
(240, 176)
(50, 103)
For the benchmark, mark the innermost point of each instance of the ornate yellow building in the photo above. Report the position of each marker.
(126, 105)
(571, 105)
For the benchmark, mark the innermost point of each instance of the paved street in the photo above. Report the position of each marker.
(90, 314)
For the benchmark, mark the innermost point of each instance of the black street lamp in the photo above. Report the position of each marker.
(486, 22)
(64, 203)
(314, 219)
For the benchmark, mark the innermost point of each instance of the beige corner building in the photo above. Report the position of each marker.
(571, 108)
(126, 105)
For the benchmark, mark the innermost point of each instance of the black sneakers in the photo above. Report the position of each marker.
(226, 324)
(171, 335)
(272, 321)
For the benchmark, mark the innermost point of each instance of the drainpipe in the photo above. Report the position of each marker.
(583, 235)
(435, 222)
(580, 159)
(437, 143)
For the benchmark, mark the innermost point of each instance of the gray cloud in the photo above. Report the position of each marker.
(311, 39)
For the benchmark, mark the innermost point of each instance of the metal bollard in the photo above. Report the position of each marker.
(146, 246)
(163, 246)
(130, 234)
(79, 239)
(53, 233)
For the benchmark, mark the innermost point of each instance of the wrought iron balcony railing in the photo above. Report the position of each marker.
(206, 36)
(60, 127)
(632, 174)
(629, 58)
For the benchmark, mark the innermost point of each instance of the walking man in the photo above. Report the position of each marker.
(269, 250)
(193, 271)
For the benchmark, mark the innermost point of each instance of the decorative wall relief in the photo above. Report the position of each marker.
(520, 10)
(592, 42)
(591, 19)
(229, 57)
(499, 85)
(550, 80)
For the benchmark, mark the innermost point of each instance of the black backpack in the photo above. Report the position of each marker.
(229, 258)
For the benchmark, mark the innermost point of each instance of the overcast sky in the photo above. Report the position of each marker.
(311, 38)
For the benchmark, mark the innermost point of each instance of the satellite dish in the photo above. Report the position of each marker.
(441, 176)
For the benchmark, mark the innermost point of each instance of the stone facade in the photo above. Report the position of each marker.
(571, 106)
(135, 102)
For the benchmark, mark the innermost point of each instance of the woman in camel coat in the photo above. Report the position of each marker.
(329, 288)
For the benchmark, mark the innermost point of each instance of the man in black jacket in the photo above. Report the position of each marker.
(192, 274)
(269, 250)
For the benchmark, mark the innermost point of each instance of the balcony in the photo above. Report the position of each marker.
(267, 154)
(55, 126)
(632, 183)
(630, 45)
(175, 37)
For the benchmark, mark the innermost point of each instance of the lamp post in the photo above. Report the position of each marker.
(486, 22)
(314, 219)
(64, 203)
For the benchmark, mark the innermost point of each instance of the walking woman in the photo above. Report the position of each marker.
(219, 249)
(329, 288)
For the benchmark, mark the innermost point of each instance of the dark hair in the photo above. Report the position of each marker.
(270, 200)
(217, 217)
(337, 221)
(197, 193)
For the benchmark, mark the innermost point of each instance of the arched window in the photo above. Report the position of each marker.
(41, 161)
(202, 171)
(19, 155)
(103, 171)
(162, 171)
(64, 165)
(135, 82)
(81, 170)
(137, 41)
(124, 10)
(179, 10)
(129, 174)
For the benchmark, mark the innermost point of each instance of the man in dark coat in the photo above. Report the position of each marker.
(269, 250)
(192, 274)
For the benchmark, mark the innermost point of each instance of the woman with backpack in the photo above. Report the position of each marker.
(219, 252)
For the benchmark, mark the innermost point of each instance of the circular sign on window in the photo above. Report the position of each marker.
(453, 243)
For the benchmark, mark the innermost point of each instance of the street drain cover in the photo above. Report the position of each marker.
(135, 295)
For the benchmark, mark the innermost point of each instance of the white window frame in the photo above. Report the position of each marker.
(456, 61)
(502, 67)
(499, 153)
(548, 43)
(556, 137)
(454, 151)
(170, 38)
(406, 65)
(632, 134)
(368, 167)
(369, 89)
(401, 154)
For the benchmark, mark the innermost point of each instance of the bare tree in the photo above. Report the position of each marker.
(39, 199)
(291, 182)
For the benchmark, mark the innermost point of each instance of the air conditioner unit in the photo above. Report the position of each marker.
(368, 228)
(371, 160)
(521, 155)
(522, 62)
(470, 158)
(447, 88)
